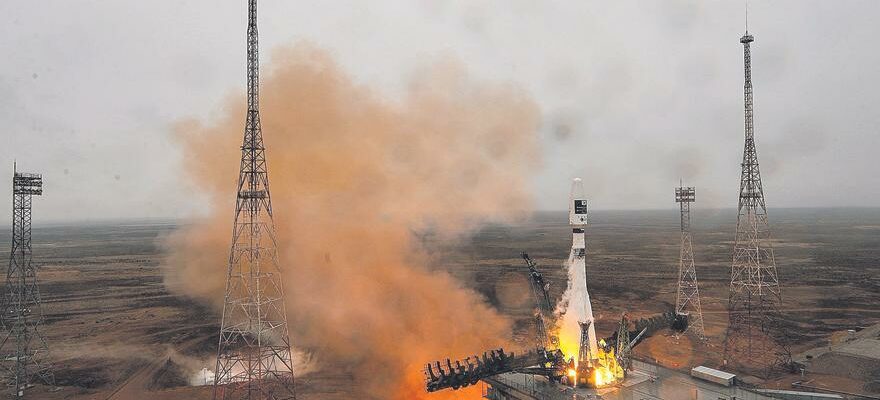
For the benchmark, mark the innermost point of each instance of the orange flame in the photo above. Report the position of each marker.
(606, 370)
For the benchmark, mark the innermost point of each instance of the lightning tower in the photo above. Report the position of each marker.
(754, 340)
(253, 357)
(23, 346)
(687, 302)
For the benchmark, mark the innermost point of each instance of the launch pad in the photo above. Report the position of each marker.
(591, 362)
(645, 381)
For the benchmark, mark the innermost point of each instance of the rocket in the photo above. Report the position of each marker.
(580, 301)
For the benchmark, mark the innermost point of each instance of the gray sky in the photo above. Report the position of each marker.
(634, 94)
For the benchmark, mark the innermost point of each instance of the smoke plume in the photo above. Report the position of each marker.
(572, 309)
(354, 177)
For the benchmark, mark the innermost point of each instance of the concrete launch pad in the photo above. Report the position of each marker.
(646, 382)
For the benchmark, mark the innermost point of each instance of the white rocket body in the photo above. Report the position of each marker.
(580, 299)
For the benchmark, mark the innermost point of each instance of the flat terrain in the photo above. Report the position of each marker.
(116, 332)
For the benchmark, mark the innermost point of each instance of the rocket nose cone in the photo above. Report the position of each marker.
(577, 189)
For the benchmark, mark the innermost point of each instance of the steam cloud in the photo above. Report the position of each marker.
(353, 177)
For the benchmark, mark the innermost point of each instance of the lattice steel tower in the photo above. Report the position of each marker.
(23, 347)
(754, 340)
(687, 302)
(253, 357)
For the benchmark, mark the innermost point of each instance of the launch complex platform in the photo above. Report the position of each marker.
(646, 382)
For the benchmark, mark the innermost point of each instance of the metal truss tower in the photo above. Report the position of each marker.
(23, 347)
(687, 302)
(253, 357)
(754, 340)
(546, 338)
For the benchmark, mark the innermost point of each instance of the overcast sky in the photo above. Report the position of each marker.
(634, 95)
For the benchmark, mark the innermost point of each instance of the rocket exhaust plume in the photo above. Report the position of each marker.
(354, 176)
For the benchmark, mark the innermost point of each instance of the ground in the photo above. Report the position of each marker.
(117, 333)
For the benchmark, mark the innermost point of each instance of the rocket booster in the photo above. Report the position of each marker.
(580, 302)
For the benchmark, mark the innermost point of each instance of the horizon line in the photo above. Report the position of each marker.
(174, 220)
